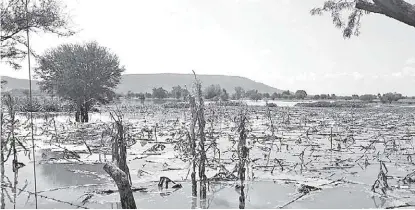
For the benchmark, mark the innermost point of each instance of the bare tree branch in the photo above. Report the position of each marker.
(397, 9)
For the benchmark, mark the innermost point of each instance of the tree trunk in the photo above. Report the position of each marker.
(397, 9)
(119, 149)
(123, 184)
(122, 164)
(78, 116)
(86, 116)
(83, 114)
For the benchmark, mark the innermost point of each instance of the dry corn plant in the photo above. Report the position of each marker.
(382, 180)
(201, 133)
(198, 151)
(12, 142)
(50, 122)
(213, 119)
(272, 129)
(243, 156)
(302, 163)
(192, 142)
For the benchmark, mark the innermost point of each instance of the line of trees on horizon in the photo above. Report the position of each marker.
(216, 92)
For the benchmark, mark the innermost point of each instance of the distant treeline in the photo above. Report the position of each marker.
(215, 92)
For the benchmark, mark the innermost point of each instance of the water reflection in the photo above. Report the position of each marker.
(242, 198)
(379, 202)
(116, 205)
(194, 202)
(71, 174)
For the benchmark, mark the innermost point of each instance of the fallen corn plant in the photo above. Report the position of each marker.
(382, 180)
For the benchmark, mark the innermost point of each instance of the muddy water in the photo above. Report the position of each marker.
(67, 185)
(62, 182)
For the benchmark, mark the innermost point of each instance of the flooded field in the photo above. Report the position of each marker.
(316, 158)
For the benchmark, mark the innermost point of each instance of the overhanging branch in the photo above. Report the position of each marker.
(367, 6)
(397, 9)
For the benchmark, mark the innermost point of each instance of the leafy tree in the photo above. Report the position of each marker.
(399, 10)
(185, 94)
(130, 94)
(249, 93)
(43, 16)
(254, 95)
(324, 96)
(118, 96)
(286, 94)
(300, 94)
(390, 97)
(213, 91)
(355, 96)
(266, 95)
(83, 74)
(379, 96)
(367, 97)
(177, 92)
(239, 93)
(275, 96)
(142, 97)
(159, 93)
(333, 96)
(3, 83)
(148, 95)
(224, 96)
(316, 97)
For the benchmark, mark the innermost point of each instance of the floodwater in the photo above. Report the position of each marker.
(68, 183)
(277, 102)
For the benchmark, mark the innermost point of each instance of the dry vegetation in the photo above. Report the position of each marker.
(314, 149)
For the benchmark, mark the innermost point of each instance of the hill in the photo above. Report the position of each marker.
(146, 82)
(14, 83)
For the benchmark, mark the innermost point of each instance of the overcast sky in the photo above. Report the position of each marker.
(276, 42)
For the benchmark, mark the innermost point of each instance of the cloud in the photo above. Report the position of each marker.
(265, 52)
(410, 61)
(355, 75)
(397, 74)
(306, 76)
(406, 72)
(409, 71)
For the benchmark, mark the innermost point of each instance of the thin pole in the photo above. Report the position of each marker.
(331, 138)
(30, 102)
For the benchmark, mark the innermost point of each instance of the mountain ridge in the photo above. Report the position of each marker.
(146, 82)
